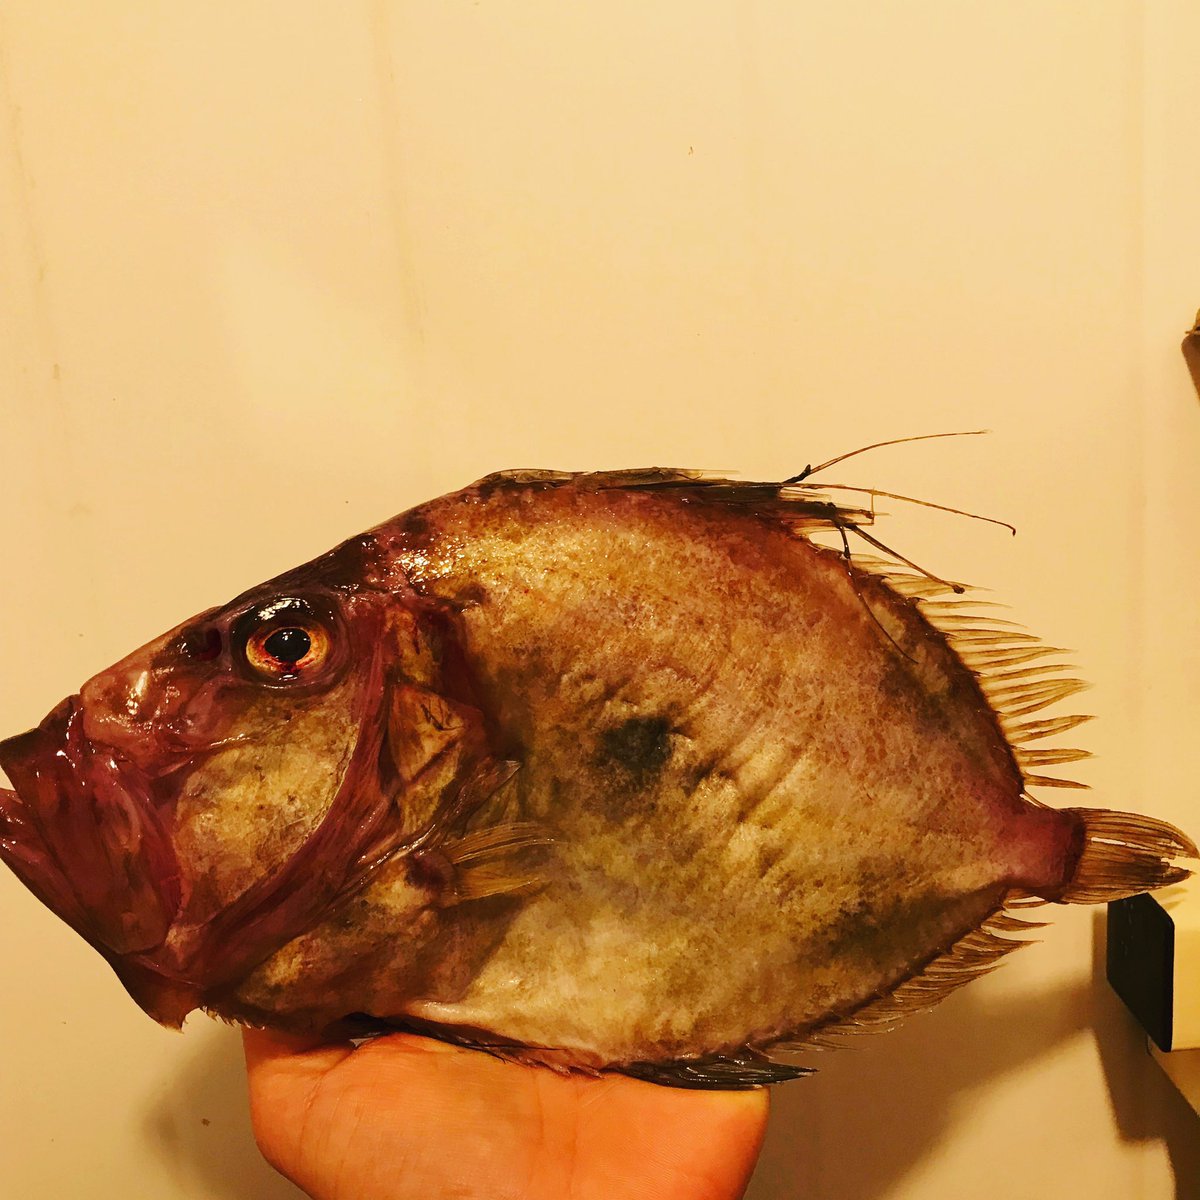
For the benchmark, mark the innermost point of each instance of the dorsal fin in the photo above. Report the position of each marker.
(799, 507)
(1019, 676)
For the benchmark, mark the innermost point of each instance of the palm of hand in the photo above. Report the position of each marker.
(407, 1118)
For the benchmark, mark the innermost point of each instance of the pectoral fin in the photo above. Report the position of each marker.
(499, 860)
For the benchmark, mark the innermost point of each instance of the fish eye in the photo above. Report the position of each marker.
(285, 641)
(290, 644)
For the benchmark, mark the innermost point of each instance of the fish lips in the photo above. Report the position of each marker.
(83, 834)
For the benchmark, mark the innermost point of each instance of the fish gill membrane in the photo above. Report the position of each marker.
(616, 771)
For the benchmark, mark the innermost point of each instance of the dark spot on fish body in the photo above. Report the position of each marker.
(415, 523)
(638, 748)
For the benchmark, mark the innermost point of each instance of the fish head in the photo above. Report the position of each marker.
(200, 802)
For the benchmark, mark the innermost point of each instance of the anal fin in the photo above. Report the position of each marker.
(974, 954)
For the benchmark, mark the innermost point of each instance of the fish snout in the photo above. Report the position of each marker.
(137, 708)
(39, 766)
(119, 705)
(158, 707)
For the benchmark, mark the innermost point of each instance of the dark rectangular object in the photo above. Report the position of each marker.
(1140, 963)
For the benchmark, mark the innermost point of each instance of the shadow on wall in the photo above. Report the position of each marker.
(1146, 1104)
(898, 1093)
(200, 1126)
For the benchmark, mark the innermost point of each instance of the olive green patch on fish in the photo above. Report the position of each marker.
(865, 929)
(619, 771)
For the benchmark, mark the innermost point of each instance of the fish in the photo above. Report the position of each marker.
(642, 771)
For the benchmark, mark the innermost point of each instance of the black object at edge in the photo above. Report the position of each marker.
(1140, 963)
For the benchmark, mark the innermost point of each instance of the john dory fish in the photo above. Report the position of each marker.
(610, 771)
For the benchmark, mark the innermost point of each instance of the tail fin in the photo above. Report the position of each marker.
(1124, 854)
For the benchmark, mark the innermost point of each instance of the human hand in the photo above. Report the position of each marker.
(409, 1118)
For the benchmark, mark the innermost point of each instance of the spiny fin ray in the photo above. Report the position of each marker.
(1019, 677)
(1019, 732)
(1049, 758)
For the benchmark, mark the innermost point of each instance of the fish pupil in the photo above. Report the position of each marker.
(288, 645)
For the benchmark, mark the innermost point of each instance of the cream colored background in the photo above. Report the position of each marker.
(272, 272)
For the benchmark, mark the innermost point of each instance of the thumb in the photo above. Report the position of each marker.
(283, 1073)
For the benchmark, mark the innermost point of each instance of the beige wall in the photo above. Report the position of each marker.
(271, 272)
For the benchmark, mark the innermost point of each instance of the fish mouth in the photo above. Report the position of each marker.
(82, 832)
(89, 830)
(29, 761)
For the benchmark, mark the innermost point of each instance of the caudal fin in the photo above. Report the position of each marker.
(1124, 854)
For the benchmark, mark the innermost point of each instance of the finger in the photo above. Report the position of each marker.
(716, 1143)
(283, 1073)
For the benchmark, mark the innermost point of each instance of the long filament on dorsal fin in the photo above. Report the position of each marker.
(863, 600)
(961, 512)
(921, 437)
(957, 588)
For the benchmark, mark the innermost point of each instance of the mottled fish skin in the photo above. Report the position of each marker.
(766, 811)
(603, 771)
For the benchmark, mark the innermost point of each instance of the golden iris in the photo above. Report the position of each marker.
(281, 651)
